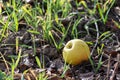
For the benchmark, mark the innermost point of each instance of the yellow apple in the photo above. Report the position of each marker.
(76, 51)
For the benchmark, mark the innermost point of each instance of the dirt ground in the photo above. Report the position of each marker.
(53, 62)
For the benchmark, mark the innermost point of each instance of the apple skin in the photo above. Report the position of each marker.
(76, 51)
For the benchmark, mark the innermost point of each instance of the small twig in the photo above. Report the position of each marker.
(108, 67)
(96, 25)
(5, 62)
(33, 74)
(114, 72)
(28, 77)
(115, 68)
